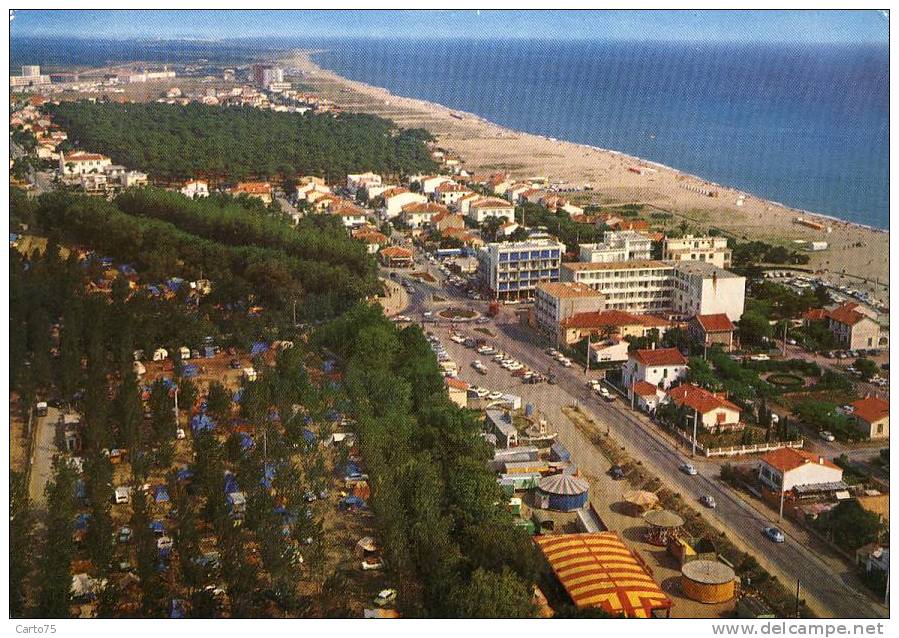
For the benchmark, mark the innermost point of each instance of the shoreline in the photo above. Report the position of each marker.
(487, 147)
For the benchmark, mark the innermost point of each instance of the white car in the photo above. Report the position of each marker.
(164, 542)
(594, 383)
(514, 366)
(566, 362)
(605, 394)
(457, 338)
(495, 396)
(507, 362)
(827, 436)
(688, 469)
(480, 392)
(372, 563)
(385, 597)
(499, 357)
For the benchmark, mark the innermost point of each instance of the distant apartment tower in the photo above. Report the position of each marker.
(31, 71)
(266, 74)
(711, 250)
(624, 245)
(512, 270)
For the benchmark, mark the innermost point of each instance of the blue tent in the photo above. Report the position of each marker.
(202, 423)
(174, 284)
(13, 237)
(231, 483)
(157, 527)
(190, 370)
(168, 384)
(153, 290)
(351, 502)
(165, 553)
(246, 441)
(259, 347)
(328, 366)
(309, 436)
(127, 270)
(208, 351)
(237, 396)
(177, 609)
(184, 475)
(268, 476)
(162, 494)
(81, 521)
(351, 470)
(80, 489)
(333, 415)
(106, 261)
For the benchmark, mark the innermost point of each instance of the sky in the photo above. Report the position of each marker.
(685, 26)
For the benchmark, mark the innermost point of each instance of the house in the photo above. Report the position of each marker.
(94, 183)
(487, 207)
(874, 558)
(417, 215)
(195, 188)
(612, 350)
(310, 189)
(661, 367)
(449, 193)
(507, 229)
(619, 246)
(445, 221)
(350, 215)
(363, 181)
(467, 238)
(712, 250)
(259, 190)
(712, 411)
(787, 468)
(80, 163)
(396, 257)
(554, 302)
(430, 183)
(134, 179)
(853, 328)
(711, 330)
(606, 323)
(396, 198)
(646, 396)
(373, 239)
(871, 416)
(464, 203)
(458, 391)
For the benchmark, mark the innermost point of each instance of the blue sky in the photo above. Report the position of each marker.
(726, 26)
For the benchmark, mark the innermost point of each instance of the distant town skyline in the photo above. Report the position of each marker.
(754, 26)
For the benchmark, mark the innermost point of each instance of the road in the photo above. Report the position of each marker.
(739, 516)
(41, 180)
(42, 456)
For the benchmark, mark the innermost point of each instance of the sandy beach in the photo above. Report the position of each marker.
(859, 252)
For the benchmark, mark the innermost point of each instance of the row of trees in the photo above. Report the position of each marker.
(177, 142)
(451, 546)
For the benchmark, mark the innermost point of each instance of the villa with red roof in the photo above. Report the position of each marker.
(787, 468)
(660, 367)
(81, 163)
(853, 327)
(872, 417)
(712, 411)
(710, 330)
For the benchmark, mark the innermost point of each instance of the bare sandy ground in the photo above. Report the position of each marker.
(860, 252)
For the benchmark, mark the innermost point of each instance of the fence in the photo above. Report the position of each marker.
(737, 450)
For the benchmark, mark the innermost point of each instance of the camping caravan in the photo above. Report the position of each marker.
(249, 374)
(41, 408)
(160, 354)
(139, 369)
(184, 352)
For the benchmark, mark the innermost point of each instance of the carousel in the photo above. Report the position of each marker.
(662, 526)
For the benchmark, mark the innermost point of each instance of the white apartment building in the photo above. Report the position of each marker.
(449, 193)
(482, 209)
(700, 288)
(625, 245)
(396, 198)
(512, 270)
(80, 163)
(683, 289)
(556, 301)
(362, 180)
(195, 188)
(711, 250)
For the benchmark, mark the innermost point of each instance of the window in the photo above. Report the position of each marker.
(880, 428)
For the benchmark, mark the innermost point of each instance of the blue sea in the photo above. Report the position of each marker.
(807, 126)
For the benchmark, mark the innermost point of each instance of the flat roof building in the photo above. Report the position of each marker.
(625, 245)
(711, 250)
(512, 270)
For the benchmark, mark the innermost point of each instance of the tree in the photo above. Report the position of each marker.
(754, 329)
(866, 368)
(495, 595)
(218, 400)
(21, 549)
(850, 525)
(55, 577)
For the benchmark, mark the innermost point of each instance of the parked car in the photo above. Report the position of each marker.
(125, 534)
(708, 501)
(605, 394)
(495, 396)
(775, 534)
(688, 469)
(616, 472)
(164, 542)
(827, 436)
(385, 597)
(372, 563)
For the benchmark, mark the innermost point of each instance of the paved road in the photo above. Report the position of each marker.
(828, 585)
(42, 456)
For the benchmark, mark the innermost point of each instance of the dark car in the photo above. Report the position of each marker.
(235, 364)
(616, 472)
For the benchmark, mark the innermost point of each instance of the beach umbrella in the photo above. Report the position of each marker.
(641, 498)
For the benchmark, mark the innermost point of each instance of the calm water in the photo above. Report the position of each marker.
(805, 126)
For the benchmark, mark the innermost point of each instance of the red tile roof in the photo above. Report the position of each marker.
(253, 188)
(396, 251)
(715, 323)
(457, 384)
(815, 314)
(846, 314)
(699, 399)
(660, 357)
(644, 388)
(787, 459)
(871, 409)
(426, 207)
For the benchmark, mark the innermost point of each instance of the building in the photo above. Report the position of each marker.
(712, 412)
(556, 301)
(713, 330)
(363, 181)
(448, 193)
(701, 288)
(628, 245)
(487, 207)
(134, 179)
(266, 74)
(445, 221)
(418, 214)
(259, 190)
(351, 216)
(396, 257)
(712, 250)
(871, 416)
(397, 197)
(786, 468)
(195, 188)
(31, 76)
(373, 239)
(512, 270)
(611, 350)
(429, 183)
(607, 323)
(499, 423)
(631, 286)
(874, 558)
(80, 162)
(94, 183)
(31, 71)
(852, 327)
(646, 396)
(661, 368)
(457, 390)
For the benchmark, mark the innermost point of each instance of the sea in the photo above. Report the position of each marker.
(803, 125)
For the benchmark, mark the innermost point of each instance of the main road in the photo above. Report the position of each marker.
(830, 588)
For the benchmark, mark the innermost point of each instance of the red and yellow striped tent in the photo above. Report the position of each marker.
(598, 570)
